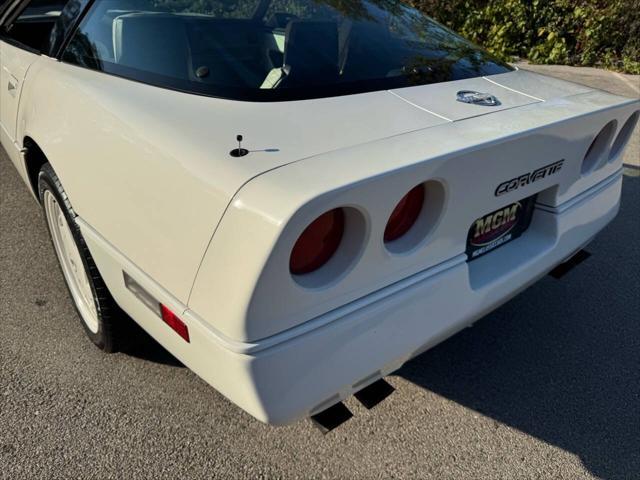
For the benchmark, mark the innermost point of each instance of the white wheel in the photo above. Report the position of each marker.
(102, 319)
(73, 268)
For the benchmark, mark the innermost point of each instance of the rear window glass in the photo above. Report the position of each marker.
(271, 50)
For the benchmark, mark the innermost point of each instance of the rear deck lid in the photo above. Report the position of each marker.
(508, 90)
(463, 99)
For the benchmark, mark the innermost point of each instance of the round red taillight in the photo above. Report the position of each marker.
(318, 243)
(405, 214)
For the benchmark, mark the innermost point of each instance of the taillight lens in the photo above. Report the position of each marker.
(624, 136)
(405, 214)
(596, 154)
(318, 243)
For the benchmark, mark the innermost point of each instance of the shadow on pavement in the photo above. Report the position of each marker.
(560, 362)
(139, 344)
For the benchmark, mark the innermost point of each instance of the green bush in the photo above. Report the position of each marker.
(579, 32)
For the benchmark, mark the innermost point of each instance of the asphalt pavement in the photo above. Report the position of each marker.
(548, 386)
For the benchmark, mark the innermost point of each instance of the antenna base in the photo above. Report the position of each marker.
(239, 152)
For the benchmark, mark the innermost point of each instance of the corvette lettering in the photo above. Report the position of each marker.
(528, 178)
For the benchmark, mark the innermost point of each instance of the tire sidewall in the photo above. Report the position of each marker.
(48, 181)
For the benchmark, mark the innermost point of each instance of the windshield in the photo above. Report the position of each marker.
(270, 50)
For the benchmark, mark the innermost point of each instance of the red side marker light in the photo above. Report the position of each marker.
(175, 323)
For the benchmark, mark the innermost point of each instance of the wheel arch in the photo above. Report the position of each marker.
(34, 158)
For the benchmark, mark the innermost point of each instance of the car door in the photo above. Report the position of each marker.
(15, 63)
(29, 29)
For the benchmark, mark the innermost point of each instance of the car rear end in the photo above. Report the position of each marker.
(505, 198)
(399, 184)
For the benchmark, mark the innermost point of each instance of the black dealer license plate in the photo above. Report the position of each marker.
(500, 227)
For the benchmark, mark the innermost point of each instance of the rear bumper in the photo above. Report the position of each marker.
(343, 351)
(306, 369)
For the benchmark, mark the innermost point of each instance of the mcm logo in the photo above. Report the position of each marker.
(491, 227)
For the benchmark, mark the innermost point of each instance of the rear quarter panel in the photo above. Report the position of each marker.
(123, 175)
(149, 168)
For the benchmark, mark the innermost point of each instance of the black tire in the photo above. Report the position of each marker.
(110, 316)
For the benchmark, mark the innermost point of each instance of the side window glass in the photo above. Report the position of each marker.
(98, 40)
(157, 36)
(34, 25)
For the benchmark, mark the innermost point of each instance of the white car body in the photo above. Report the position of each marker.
(158, 197)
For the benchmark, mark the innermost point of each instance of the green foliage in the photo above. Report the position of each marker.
(573, 32)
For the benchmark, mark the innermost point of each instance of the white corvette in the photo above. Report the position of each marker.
(295, 197)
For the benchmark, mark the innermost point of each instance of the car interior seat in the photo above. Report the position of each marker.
(152, 42)
(310, 55)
